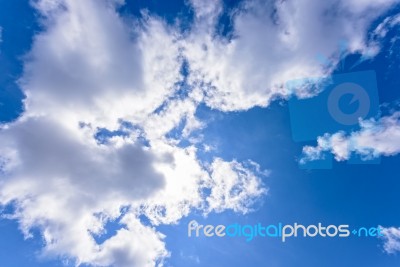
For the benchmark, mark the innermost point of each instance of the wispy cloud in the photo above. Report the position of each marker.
(391, 238)
(376, 138)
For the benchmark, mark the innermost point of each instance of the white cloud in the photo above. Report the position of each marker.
(91, 69)
(135, 245)
(382, 29)
(233, 186)
(391, 238)
(274, 42)
(375, 138)
(91, 61)
(88, 70)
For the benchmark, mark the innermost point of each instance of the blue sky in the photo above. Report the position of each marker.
(122, 121)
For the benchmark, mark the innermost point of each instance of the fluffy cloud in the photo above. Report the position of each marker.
(233, 186)
(91, 61)
(375, 138)
(273, 42)
(91, 71)
(391, 238)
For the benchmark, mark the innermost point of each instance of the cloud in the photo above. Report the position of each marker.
(59, 182)
(383, 28)
(94, 63)
(134, 245)
(223, 185)
(233, 186)
(375, 138)
(90, 70)
(391, 238)
(274, 42)
(58, 179)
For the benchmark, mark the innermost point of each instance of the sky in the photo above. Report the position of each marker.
(123, 122)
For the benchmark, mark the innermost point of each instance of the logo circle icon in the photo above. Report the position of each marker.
(358, 93)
